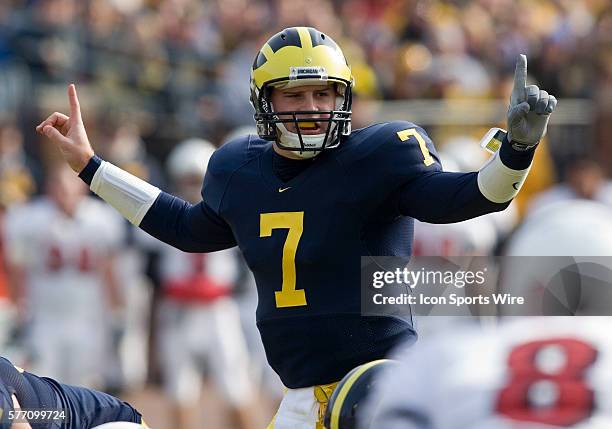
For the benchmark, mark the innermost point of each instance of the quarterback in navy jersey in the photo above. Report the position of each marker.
(75, 407)
(307, 197)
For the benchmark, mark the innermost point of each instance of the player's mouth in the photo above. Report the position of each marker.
(311, 128)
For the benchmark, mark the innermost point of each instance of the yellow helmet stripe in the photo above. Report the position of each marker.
(267, 51)
(335, 414)
(305, 37)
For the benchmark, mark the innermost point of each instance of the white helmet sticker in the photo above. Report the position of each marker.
(307, 72)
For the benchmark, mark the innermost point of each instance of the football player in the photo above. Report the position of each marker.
(307, 197)
(81, 408)
(61, 259)
(199, 322)
(527, 373)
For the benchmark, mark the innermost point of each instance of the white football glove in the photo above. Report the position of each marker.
(529, 110)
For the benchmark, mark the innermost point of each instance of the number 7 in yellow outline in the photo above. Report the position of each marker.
(288, 296)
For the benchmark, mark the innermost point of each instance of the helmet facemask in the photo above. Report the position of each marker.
(271, 123)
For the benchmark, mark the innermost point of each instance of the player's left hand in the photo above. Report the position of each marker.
(529, 110)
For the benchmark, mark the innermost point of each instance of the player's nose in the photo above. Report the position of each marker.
(309, 101)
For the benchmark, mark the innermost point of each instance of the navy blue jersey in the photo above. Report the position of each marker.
(84, 408)
(303, 238)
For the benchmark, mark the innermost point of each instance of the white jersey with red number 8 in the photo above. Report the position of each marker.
(523, 374)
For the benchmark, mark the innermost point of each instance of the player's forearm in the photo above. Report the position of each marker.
(188, 227)
(128, 194)
(442, 197)
(503, 175)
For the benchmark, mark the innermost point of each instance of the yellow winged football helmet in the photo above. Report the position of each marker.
(301, 56)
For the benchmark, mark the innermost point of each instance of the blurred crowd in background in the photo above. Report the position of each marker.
(177, 68)
(154, 73)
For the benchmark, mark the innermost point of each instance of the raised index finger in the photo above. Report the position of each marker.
(520, 79)
(75, 108)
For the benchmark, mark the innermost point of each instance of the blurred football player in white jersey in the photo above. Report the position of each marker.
(199, 322)
(60, 255)
(528, 372)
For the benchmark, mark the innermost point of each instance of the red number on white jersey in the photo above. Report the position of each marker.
(56, 260)
(547, 382)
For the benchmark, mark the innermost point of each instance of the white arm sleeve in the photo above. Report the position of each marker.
(131, 196)
(499, 183)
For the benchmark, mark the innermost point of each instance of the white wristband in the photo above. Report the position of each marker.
(131, 196)
(499, 183)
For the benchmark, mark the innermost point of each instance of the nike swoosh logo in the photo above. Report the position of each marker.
(284, 189)
(514, 185)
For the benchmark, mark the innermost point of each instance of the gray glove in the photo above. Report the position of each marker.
(529, 110)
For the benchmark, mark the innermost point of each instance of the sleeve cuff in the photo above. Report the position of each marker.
(90, 169)
(515, 159)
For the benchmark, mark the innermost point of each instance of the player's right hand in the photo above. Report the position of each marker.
(68, 133)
